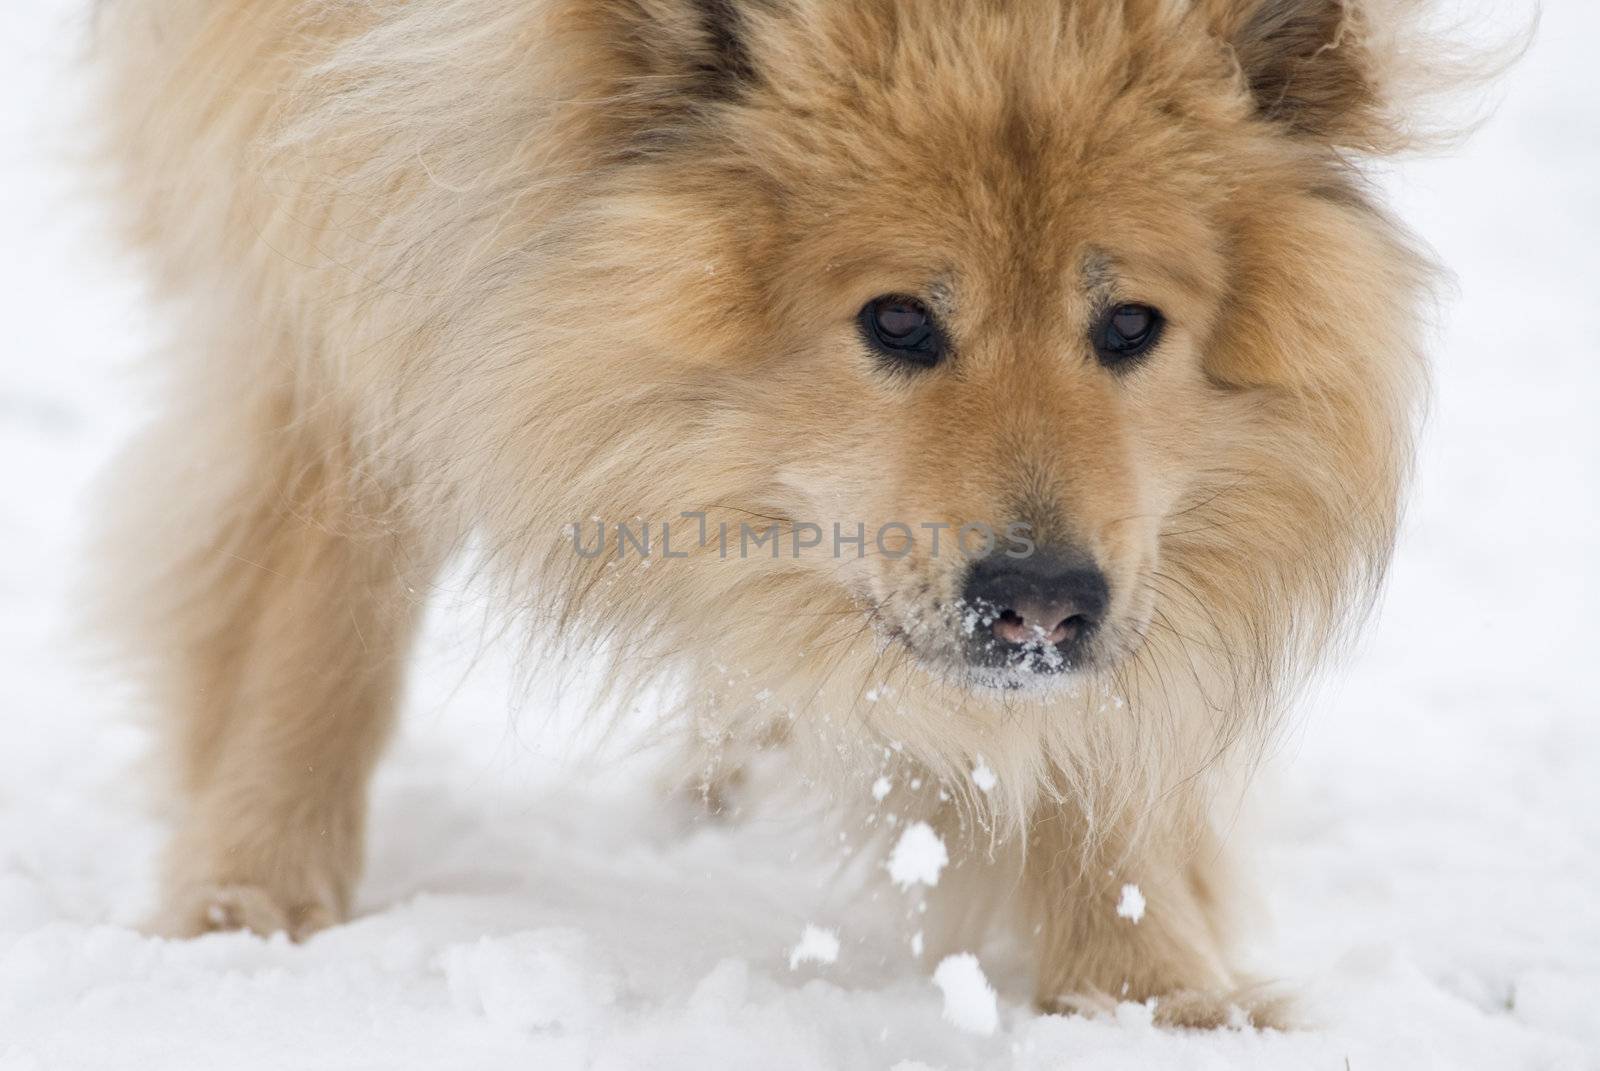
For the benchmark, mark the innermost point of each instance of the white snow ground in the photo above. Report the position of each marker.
(1430, 852)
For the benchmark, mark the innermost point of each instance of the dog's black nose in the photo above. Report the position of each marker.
(1053, 600)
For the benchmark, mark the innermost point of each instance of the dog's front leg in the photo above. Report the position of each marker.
(269, 596)
(1136, 918)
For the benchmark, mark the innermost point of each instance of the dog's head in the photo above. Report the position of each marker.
(1062, 322)
(976, 348)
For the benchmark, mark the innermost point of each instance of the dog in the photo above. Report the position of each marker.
(706, 320)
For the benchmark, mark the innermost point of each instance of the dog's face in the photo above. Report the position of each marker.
(1010, 303)
(997, 373)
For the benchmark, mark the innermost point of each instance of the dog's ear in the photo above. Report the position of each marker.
(695, 48)
(723, 64)
(654, 68)
(1314, 67)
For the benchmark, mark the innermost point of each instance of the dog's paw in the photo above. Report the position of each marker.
(1253, 1007)
(716, 798)
(219, 908)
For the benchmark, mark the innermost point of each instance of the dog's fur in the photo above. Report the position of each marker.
(494, 267)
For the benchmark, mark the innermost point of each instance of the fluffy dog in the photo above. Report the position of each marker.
(1094, 289)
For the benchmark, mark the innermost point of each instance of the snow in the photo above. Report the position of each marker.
(1427, 865)
(918, 857)
(969, 1000)
(816, 946)
(984, 777)
(1130, 905)
(537, 980)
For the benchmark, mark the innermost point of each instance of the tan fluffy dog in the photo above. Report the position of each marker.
(1098, 271)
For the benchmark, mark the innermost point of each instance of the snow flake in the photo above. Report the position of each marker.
(1131, 906)
(969, 1000)
(816, 946)
(918, 857)
(984, 777)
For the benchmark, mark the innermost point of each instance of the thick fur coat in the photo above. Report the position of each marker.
(515, 269)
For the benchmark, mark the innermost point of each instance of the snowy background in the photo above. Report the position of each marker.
(1429, 836)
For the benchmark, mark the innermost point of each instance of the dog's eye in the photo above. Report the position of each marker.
(902, 328)
(1125, 333)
